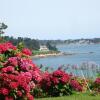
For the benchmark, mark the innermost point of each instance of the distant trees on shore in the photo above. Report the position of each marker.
(51, 47)
(28, 43)
(34, 44)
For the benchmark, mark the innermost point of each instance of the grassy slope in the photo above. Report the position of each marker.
(36, 52)
(74, 97)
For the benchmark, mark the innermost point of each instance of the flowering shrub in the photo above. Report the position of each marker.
(27, 51)
(14, 85)
(4, 47)
(75, 85)
(59, 83)
(20, 78)
(16, 78)
(97, 81)
(79, 84)
(56, 83)
(96, 85)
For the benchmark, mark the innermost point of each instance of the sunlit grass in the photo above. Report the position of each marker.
(73, 97)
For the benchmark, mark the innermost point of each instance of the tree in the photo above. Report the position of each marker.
(27, 42)
(51, 47)
(2, 28)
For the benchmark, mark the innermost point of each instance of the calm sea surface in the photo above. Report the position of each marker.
(83, 54)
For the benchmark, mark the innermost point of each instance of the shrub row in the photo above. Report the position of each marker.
(21, 79)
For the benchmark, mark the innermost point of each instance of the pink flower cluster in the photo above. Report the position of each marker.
(75, 85)
(53, 79)
(62, 77)
(36, 76)
(96, 85)
(97, 81)
(27, 51)
(19, 64)
(59, 82)
(18, 74)
(15, 83)
(6, 46)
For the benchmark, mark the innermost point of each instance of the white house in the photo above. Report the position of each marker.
(43, 48)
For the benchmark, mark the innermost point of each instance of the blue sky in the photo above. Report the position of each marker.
(51, 19)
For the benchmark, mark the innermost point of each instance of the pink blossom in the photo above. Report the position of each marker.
(29, 97)
(97, 81)
(13, 61)
(13, 85)
(9, 98)
(19, 93)
(6, 46)
(26, 51)
(4, 91)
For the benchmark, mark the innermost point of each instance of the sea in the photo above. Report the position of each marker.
(81, 53)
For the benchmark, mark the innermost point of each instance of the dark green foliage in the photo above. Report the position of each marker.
(51, 47)
(27, 42)
(2, 27)
(20, 46)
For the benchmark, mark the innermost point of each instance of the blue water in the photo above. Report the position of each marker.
(83, 55)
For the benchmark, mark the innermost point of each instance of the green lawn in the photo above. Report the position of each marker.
(74, 97)
(37, 52)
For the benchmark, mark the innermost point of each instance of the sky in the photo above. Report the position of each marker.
(51, 19)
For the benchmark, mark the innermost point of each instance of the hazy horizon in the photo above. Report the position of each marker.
(51, 19)
(52, 39)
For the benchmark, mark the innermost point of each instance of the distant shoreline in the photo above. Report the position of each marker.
(47, 55)
(57, 54)
(52, 54)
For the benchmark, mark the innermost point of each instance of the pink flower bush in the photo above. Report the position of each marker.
(58, 73)
(8, 98)
(13, 61)
(36, 76)
(18, 85)
(60, 83)
(97, 81)
(19, 76)
(75, 85)
(53, 83)
(7, 69)
(4, 91)
(96, 85)
(6, 46)
(16, 78)
(26, 51)
(63, 77)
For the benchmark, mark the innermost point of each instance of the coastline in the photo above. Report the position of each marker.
(57, 54)
(52, 54)
(47, 55)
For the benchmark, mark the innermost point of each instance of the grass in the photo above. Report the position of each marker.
(37, 52)
(73, 97)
